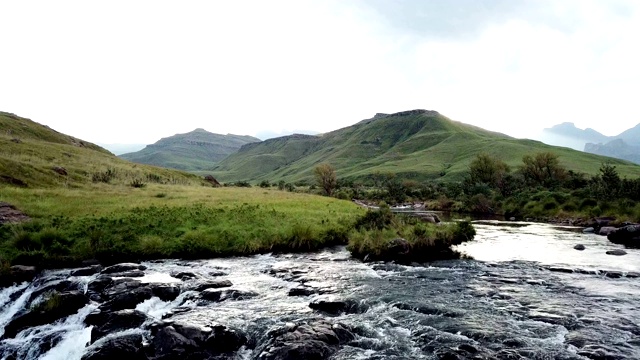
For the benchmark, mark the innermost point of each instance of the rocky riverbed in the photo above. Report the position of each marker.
(527, 295)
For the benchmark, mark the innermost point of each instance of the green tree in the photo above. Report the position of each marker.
(326, 178)
(488, 170)
(543, 169)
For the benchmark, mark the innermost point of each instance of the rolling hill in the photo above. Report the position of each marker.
(34, 155)
(193, 151)
(416, 144)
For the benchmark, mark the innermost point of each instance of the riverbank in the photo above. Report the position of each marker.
(109, 224)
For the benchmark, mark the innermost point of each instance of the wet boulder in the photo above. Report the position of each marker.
(223, 339)
(302, 291)
(99, 284)
(87, 271)
(129, 274)
(213, 284)
(184, 275)
(334, 306)
(579, 247)
(105, 323)
(54, 307)
(606, 230)
(589, 230)
(165, 292)
(218, 295)
(123, 267)
(170, 344)
(119, 286)
(315, 339)
(616, 252)
(628, 236)
(123, 347)
(18, 274)
(207, 340)
(127, 299)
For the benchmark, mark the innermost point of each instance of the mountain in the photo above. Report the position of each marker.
(34, 155)
(631, 136)
(416, 144)
(567, 134)
(615, 148)
(192, 151)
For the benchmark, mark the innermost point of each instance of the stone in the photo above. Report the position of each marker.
(165, 292)
(588, 230)
(119, 268)
(579, 247)
(333, 306)
(56, 306)
(218, 295)
(301, 291)
(606, 230)
(628, 236)
(127, 299)
(86, 271)
(9, 214)
(314, 339)
(617, 252)
(60, 170)
(123, 347)
(168, 343)
(214, 284)
(105, 323)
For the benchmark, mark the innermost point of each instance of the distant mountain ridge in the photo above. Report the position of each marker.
(415, 144)
(625, 146)
(193, 151)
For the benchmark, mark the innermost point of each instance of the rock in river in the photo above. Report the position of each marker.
(617, 252)
(579, 247)
(123, 267)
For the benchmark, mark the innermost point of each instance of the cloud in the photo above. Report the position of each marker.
(121, 71)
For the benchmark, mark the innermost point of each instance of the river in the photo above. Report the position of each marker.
(526, 295)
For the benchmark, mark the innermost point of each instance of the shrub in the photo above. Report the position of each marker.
(104, 176)
(375, 219)
(137, 183)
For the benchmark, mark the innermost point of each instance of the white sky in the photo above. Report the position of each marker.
(135, 71)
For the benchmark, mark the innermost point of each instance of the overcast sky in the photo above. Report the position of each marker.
(135, 71)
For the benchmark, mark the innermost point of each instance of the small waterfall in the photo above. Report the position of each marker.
(10, 308)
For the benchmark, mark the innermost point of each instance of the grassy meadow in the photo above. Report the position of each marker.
(119, 223)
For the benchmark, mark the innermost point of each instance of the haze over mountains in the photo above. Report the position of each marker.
(625, 145)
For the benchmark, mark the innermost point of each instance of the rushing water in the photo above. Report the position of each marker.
(527, 295)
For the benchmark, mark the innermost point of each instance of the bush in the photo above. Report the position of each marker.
(104, 176)
(137, 183)
(375, 219)
(264, 184)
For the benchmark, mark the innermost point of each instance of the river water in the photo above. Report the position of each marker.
(526, 295)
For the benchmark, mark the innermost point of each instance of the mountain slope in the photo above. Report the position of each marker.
(192, 151)
(34, 155)
(416, 144)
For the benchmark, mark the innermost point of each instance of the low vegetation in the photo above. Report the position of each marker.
(380, 235)
(120, 223)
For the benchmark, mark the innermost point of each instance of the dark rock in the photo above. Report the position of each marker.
(99, 284)
(430, 218)
(211, 180)
(560, 269)
(213, 285)
(224, 340)
(8, 213)
(398, 246)
(336, 306)
(129, 274)
(183, 275)
(318, 339)
(123, 347)
(628, 236)
(60, 170)
(118, 268)
(614, 274)
(606, 230)
(20, 273)
(579, 247)
(105, 323)
(119, 286)
(301, 291)
(87, 271)
(218, 273)
(227, 294)
(127, 299)
(168, 343)
(57, 306)
(165, 292)
(617, 252)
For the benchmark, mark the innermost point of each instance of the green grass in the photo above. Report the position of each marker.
(412, 146)
(119, 223)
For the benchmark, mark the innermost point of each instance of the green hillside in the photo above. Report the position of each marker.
(193, 151)
(31, 152)
(416, 144)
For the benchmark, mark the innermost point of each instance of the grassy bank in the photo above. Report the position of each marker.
(121, 223)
